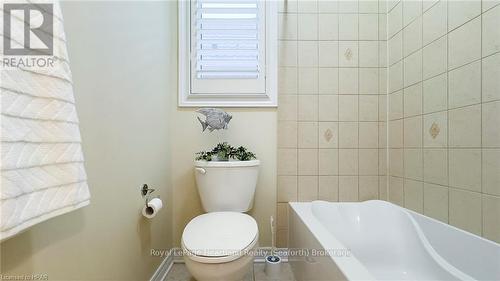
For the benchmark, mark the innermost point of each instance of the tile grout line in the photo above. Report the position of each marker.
(447, 29)
(481, 119)
(357, 147)
(422, 104)
(399, 61)
(296, 123)
(450, 69)
(317, 103)
(338, 107)
(387, 166)
(447, 109)
(403, 100)
(448, 186)
(451, 109)
(434, 41)
(378, 100)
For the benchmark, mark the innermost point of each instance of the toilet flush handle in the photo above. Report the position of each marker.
(201, 171)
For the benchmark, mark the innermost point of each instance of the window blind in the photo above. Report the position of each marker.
(227, 39)
(228, 47)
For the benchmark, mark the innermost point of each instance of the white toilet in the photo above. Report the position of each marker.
(217, 245)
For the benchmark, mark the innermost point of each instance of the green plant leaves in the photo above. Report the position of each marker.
(224, 152)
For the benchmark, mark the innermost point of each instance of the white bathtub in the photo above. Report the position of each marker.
(377, 240)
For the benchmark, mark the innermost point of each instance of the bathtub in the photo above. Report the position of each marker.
(377, 240)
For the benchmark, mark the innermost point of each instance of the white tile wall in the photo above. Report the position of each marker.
(491, 32)
(348, 53)
(412, 101)
(465, 169)
(464, 85)
(491, 208)
(435, 58)
(307, 26)
(490, 174)
(436, 199)
(465, 210)
(395, 79)
(412, 37)
(490, 121)
(368, 54)
(431, 67)
(368, 27)
(413, 164)
(440, 121)
(328, 81)
(412, 132)
(445, 101)
(413, 69)
(328, 53)
(465, 126)
(436, 166)
(328, 27)
(328, 108)
(395, 45)
(460, 12)
(414, 195)
(411, 11)
(490, 81)
(348, 26)
(463, 44)
(348, 81)
(396, 105)
(435, 94)
(332, 110)
(368, 81)
(435, 22)
(328, 188)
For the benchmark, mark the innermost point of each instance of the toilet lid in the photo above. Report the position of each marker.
(219, 234)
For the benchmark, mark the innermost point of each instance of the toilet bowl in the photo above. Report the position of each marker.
(219, 245)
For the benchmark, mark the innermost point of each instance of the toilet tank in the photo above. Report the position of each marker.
(226, 185)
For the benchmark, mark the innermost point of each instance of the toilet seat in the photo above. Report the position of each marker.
(219, 237)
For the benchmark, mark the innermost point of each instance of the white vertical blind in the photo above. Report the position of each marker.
(228, 46)
(227, 39)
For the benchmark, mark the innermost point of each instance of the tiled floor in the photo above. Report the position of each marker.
(179, 272)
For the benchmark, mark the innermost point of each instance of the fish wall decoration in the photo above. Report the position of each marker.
(215, 119)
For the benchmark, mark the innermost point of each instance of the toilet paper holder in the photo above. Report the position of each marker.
(146, 193)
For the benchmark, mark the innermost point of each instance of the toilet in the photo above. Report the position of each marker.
(218, 245)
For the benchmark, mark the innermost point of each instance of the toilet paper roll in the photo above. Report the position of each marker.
(153, 207)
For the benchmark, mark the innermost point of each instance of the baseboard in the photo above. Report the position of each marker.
(165, 266)
(177, 254)
(262, 252)
(174, 256)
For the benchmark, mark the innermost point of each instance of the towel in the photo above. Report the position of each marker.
(42, 165)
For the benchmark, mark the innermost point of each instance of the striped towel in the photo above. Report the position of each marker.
(42, 171)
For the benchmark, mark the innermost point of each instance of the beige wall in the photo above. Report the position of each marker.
(133, 132)
(123, 58)
(444, 111)
(252, 128)
(332, 113)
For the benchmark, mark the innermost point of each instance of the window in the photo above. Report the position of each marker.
(227, 53)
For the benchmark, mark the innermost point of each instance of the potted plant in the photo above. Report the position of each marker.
(224, 152)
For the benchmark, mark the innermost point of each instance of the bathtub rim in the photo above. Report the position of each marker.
(324, 237)
(350, 266)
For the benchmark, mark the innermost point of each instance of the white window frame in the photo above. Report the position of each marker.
(268, 99)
